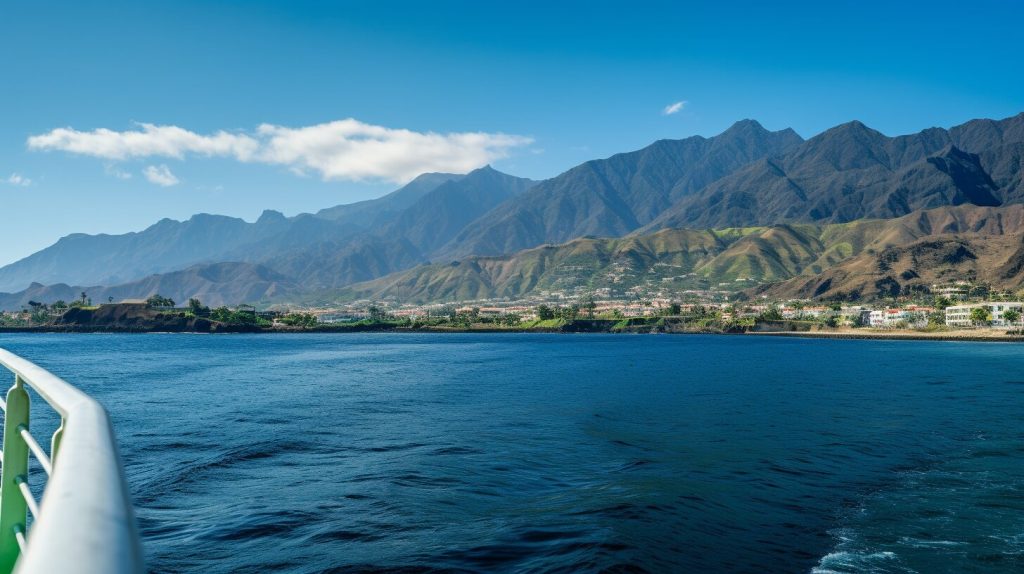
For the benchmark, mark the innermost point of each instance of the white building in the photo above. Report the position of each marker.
(955, 290)
(897, 317)
(960, 315)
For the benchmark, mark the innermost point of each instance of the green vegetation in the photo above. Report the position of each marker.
(197, 309)
(299, 320)
(1011, 316)
(981, 316)
(158, 301)
(239, 317)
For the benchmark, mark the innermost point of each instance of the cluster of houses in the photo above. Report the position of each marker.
(960, 315)
(908, 316)
(963, 315)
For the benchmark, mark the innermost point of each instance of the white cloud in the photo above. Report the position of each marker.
(19, 180)
(160, 175)
(339, 150)
(673, 108)
(151, 140)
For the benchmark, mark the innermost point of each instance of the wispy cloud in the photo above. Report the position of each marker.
(113, 171)
(19, 180)
(339, 150)
(160, 175)
(673, 108)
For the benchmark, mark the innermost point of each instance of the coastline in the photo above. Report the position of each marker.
(899, 335)
(579, 327)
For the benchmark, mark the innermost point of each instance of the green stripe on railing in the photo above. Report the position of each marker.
(13, 507)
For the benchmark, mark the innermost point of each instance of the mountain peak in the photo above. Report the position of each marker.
(485, 173)
(271, 216)
(855, 126)
(853, 133)
(745, 127)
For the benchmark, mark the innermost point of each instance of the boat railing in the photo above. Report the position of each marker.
(85, 522)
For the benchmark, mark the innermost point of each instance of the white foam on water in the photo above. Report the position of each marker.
(841, 562)
(919, 543)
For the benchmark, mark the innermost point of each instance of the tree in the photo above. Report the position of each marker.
(980, 316)
(158, 300)
(590, 306)
(770, 314)
(1011, 316)
(221, 314)
(545, 313)
(567, 313)
(300, 319)
(196, 307)
(83, 297)
(376, 313)
(675, 309)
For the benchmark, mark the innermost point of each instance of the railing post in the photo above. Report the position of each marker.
(55, 443)
(13, 508)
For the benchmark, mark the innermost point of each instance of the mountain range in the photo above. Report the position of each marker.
(862, 259)
(713, 188)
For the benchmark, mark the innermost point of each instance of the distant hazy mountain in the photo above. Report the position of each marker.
(407, 240)
(165, 246)
(341, 238)
(215, 284)
(851, 172)
(734, 259)
(613, 196)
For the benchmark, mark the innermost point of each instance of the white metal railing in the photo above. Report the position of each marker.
(85, 523)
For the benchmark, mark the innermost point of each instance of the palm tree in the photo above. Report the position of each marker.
(1012, 316)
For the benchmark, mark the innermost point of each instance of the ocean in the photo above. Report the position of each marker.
(559, 453)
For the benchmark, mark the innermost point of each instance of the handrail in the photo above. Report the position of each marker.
(85, 522)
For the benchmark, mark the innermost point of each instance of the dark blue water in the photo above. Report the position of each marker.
(556, 453)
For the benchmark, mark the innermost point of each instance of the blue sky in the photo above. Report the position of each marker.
(355, 97)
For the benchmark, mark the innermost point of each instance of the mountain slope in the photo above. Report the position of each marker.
(372, 212)
(997, 260)
(677, 259)
(443, 212)
(614, 196)
(851, 172)
(407, 241)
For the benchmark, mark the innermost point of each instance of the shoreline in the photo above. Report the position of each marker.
(965, 336)
(839, 334)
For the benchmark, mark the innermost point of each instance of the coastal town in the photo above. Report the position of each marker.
(957, 306)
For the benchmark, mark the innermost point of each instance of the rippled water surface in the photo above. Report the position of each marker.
(541, 453)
